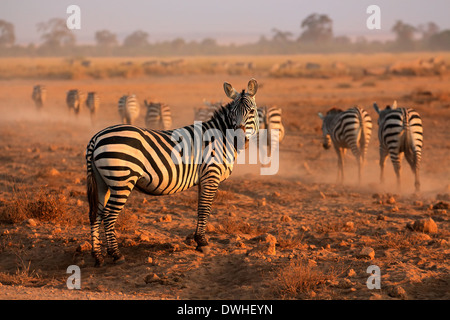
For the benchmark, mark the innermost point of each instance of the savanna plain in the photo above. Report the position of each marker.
(293, 235)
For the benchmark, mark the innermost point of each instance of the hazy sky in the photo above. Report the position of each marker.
(225, 20)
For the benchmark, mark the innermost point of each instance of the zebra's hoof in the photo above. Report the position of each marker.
(99, 262)
(119, 259)
(203, 249)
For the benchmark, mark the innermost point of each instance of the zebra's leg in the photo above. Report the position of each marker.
(103, 197)
(359, 159)
(396, 159)
(340, 153)
(413, 161)
(206, 193)
(360, 165)
(383, 157)
(113, 207)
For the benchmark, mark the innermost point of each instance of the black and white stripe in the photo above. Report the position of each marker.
(129, 108)
(400, 133)
(74, 100)
(270, 119)
(158, 116)
(92, 103)
(122, 157)
(350, 129)
(39, 95)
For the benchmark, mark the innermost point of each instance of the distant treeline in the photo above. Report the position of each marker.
(316, 37)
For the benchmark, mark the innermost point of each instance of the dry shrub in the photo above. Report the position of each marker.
(45, 206)
(398, 240)
(290, 242)
(300, 279)
(233, 226)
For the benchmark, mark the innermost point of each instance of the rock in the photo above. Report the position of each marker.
(165, 218)
(441, 205)
(285, 218)
(391, 200)
(418, 203)
(144, 237)
(204, 249)
(53, 172)
(424, 225)
(151, 278)
(397, 292)
(85, 246)
(266, 245)
(349, 226)
(367, 253)
(31, 223)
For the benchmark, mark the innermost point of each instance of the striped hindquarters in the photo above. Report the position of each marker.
(158, 116)
(273, 115)
(352, 129)
(128, 108)
(73, 100)
(39, 95)
(400, 130)
(92, 102)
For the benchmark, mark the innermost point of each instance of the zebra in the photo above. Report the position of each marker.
(92, 103)
(349, 129)
(122, 157)
(400, 132)
(158, 116)
(206, 112)
(74, 99)
(269, 119)
(39, 95)
(128, 108)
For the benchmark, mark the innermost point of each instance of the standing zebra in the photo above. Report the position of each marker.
(270, 119)
(350, 129)
(39, 95)
(74, 100)
(122, 157)
(128, 108)
(400, 133)
(158, 116)
(92, 103)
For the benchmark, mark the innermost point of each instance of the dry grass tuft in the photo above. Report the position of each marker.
(45, 205)
(235, 226)
(301, 279)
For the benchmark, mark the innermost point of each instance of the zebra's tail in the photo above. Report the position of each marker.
(365, 129)
(92, 192)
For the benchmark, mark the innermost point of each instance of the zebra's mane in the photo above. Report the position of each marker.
(334, 111)
(224, 111)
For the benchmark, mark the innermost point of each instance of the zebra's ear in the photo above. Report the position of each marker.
(394, 105)
(252, 87)
(145, 102)
(375, 106)
(321, 115)
(230, 91)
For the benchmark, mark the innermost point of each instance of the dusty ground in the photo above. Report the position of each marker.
(320, 228)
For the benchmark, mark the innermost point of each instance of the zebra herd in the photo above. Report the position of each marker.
(400, 133)
(123, 157)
